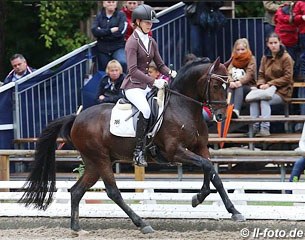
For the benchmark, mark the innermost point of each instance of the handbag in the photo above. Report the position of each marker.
(260, 94)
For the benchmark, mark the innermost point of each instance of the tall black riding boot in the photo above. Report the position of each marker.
(139, 156)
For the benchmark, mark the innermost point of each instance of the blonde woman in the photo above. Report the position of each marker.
(109, 87)
(242, 72)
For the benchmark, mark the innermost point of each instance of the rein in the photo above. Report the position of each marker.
(208, 102)
(186, 97)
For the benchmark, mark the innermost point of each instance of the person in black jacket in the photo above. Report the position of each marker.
(205, 19)
(109, 28)
(20, 68)
(109, 88)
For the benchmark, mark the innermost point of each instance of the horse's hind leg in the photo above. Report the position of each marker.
(115, 195)
(89, 178)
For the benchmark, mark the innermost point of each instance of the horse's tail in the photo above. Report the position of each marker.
(40, 184)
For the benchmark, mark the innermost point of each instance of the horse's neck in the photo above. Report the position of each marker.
(186, 106)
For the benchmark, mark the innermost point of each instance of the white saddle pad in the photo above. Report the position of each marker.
(121, 124)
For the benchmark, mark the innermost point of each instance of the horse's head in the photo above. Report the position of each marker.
(204, 83)
(215, 89)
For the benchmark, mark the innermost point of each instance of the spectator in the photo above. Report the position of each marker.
(140, 51)
(109, 28)
(276, 78)
(288, 31)
(109, 87)
(297, 170)
(299, 19)
(299, 165)
(188, 58)
(128, 9)
(20, 68)
(240, 84)
(270, 9)
(205, 20)
(155, 73)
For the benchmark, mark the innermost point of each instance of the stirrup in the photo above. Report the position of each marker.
(139, 159)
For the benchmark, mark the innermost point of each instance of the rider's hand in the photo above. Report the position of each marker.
(160, 83)
(173, 73)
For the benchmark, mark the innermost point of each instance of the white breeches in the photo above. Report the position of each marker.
(138, 98)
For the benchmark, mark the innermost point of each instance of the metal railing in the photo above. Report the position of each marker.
(55, 89)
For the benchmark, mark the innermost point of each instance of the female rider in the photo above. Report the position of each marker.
(140, 50)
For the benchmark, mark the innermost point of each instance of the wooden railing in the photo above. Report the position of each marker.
(218, 157)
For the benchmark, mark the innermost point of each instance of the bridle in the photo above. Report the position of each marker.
(221, 78)
(208, 102)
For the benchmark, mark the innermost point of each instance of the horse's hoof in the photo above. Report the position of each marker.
(80, 233)
(238, 217)
(147, 229)
(195, 201)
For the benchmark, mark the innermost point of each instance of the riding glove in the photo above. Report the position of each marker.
(160, 83)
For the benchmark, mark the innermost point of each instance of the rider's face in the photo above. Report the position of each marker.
(146, 26)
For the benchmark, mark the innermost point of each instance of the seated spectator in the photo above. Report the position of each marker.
(109, 28)
(155, 73)
(20, 68)
(242, 73)
(297, 170)
(109, 87)
(287, 30)
(276, 77)
(190, 57)
(299, 165)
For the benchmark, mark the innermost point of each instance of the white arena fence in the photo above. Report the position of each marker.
(167, 199)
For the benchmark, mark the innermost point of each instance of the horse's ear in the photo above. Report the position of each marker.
(227, 63)
(214, 66)
(216, 63)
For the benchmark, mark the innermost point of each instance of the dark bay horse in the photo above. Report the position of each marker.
(182, 138)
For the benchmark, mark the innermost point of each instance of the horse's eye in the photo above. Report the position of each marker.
(224, 85)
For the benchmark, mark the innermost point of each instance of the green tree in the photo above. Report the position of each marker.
(41, 30)
(245, 9)
(60, 23)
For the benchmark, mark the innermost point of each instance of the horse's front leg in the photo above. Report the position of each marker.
(217, 182)
(186, 156)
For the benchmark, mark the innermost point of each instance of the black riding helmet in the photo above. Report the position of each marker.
(144, 12)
